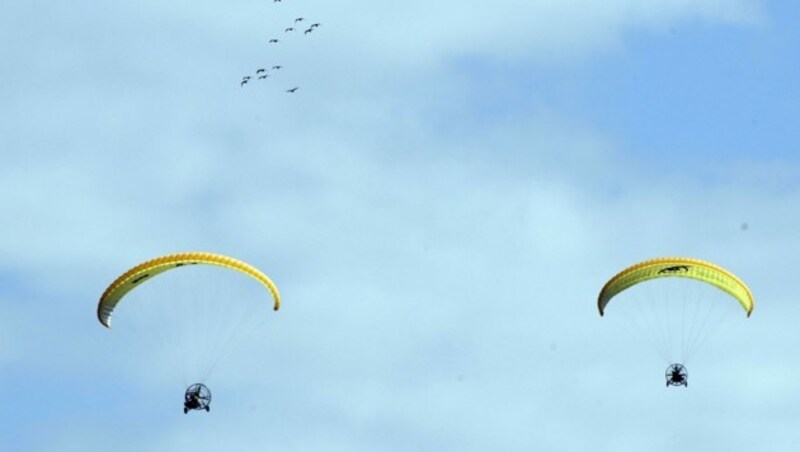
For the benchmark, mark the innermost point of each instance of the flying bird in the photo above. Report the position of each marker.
(262, 77)
(292, 90)
(260, 71)
(308, 31)
(243, 82)
(299, 19)
(288, 30)
(246, 77)
(273, 40)
(277, 67)
(315, 25)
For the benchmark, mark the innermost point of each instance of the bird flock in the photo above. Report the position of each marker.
(263, 73)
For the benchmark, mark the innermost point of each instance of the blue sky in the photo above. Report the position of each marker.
(440, 203)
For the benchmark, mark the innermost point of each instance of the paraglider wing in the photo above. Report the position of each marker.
(680, 267)
(147, 270)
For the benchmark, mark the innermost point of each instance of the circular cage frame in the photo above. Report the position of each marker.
(197, 397)
(682, 373)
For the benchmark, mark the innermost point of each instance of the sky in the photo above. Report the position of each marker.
(439, 203)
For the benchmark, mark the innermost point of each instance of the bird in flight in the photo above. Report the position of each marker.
(262, 77)
(308, 31)
(273, 40)
(299, 19)
(315, 25)
(292, 90)
(288, 30)
(243, 82)
(260, 71)
(277, 67)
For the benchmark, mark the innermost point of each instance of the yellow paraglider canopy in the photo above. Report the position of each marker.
(146, 270)
(681, 267)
